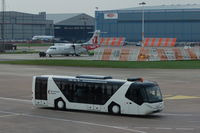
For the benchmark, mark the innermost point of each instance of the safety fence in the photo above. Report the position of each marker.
(159, 42)
(112, 41)
(147, 54)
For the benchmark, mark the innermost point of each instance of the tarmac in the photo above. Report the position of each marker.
(180, 89)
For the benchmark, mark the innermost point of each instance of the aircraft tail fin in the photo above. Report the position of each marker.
(95, 38)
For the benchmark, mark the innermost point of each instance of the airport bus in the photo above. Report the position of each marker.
(97, 93)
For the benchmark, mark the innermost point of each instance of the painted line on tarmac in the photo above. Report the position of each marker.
(85, 123)
(169, 114)
(181, 97)
(94, 124)
(13, 99)
(30, 101)
(163, 128)
(186, 129)
(142, 127)
(195, 121)
(3, 116)
(73, 121)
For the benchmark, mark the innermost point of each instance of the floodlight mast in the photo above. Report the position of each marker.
(143, 3)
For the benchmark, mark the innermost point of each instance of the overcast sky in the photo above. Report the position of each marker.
(82, 6)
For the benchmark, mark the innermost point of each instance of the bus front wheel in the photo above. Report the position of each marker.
(60, 104)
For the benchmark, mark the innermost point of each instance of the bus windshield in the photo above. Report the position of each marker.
(153, 94)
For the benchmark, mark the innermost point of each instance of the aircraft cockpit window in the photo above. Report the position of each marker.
(52, 48)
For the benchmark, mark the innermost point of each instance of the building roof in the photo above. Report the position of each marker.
(166, 7)
(60, 17)
(177, 7)
(71, 19)
(15, 13)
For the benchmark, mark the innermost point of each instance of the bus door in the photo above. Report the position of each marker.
(98, 96)
(41, 90)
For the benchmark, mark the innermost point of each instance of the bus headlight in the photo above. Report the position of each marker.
(156, 106)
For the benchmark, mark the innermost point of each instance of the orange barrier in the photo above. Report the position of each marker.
(161, 54)
(115, 41)
(146, 41)
(107, 41)
(102, 40)
(147, 54)
(160, 42)
(178, 54)
(143, 55)
(173, 42)
(192, 55)
(124, 54)
(106, 54)
(120, 41)
(166, 42)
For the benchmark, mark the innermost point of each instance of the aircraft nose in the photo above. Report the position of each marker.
(48, 51)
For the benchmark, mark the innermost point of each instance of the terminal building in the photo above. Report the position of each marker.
(72, 27)
(166, 21)
(23, 26)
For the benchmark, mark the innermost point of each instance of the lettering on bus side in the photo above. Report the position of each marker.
(87, 92)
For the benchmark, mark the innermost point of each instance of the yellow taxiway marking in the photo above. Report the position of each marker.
(167, 95)
(178, 97)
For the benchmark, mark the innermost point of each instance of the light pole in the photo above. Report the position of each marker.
(96, 9)
(143, 3)
(2, 26)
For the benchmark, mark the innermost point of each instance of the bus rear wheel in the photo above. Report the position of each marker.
(114, 108)
(59, 104)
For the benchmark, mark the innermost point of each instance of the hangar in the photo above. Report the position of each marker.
(73, 27)
(23, 26)
(166, 21)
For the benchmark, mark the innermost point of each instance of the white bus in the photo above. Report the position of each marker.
(97, 93)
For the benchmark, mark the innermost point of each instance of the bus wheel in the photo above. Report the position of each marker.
(114, 108)
(60, 104)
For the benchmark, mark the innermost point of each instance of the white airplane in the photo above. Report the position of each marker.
(76, 48)
(43, 38)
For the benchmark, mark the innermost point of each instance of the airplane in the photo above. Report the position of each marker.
(43, 38)
(75, 49)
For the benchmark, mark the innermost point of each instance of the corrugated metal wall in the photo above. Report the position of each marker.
(181, 24)
(23, 26)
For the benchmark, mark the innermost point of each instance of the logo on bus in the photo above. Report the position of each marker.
(52, 92)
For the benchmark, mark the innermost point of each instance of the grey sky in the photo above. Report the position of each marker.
(82, 6)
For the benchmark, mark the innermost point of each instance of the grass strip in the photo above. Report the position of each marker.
(21, 52)
(111, 64)
(34, 45)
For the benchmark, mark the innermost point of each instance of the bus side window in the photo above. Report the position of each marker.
(41, 88)
(98, 94)
(109, 90)
(81, 93)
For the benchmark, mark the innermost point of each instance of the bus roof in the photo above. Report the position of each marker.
(95, 78)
